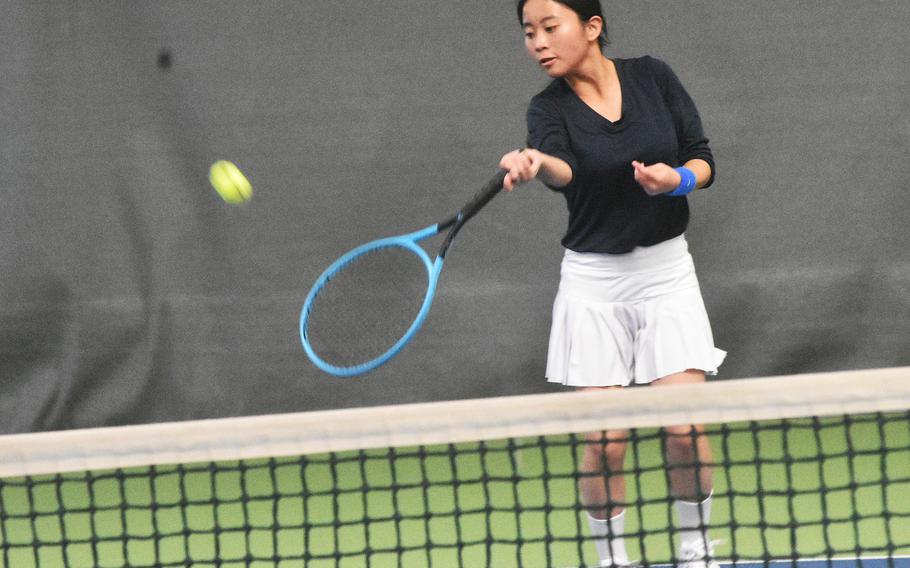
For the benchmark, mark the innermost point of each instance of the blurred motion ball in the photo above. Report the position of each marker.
(230, 183)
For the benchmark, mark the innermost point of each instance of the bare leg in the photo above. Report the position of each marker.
(603, 492)
(691, 482)
(602, 485)
(688, 450)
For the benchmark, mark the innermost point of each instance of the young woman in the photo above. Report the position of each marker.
(622, 141)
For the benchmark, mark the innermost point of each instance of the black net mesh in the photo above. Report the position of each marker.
(835, 487)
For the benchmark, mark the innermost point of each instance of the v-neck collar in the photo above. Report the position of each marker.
(595, 116)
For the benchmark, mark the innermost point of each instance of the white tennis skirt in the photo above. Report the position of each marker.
(636, 317)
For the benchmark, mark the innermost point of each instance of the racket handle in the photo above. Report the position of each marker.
(483, 196)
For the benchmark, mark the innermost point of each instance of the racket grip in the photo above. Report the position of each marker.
(488, 192)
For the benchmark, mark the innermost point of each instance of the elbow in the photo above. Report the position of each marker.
(711, 175)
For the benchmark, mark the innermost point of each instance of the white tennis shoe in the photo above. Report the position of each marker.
(698, 553)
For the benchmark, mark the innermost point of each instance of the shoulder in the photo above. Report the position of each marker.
(551, 97)
(646, 65)
(652, 73)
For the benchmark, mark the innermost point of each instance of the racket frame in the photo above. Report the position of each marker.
(408, 241)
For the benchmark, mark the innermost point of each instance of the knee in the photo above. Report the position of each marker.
(612, 447)
(682, 442)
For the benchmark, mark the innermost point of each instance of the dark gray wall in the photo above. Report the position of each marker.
(130, 294)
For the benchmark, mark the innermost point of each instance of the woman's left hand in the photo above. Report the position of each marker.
(656, 178)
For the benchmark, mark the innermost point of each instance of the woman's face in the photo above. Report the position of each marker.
(555, 36)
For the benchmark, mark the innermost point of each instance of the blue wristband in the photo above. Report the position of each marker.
(686, 184)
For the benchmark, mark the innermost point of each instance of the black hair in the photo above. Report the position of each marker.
(586, 9)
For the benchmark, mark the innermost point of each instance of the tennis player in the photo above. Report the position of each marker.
(622, 141)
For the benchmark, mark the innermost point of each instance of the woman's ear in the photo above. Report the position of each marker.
(594, 27)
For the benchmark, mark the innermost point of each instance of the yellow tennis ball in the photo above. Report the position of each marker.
(230, 183)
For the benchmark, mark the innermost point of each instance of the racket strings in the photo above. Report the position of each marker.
(367, 306)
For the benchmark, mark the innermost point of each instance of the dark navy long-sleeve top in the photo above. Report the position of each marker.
(609, 212)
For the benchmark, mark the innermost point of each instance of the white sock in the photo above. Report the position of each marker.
(608, 538)
(693, 520)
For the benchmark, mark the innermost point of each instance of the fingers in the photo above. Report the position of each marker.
(508, 163)
(510, 182)
(656, 178)
(646, 174)
(521, 166)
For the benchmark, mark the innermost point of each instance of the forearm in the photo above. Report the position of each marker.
(701, 169)
(554, 171)
(524, 165)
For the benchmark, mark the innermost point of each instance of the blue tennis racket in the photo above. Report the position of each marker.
(370, 303)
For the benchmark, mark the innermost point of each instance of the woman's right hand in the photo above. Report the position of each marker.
(521, 166)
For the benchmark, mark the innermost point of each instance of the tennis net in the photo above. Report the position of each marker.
(807, 466)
